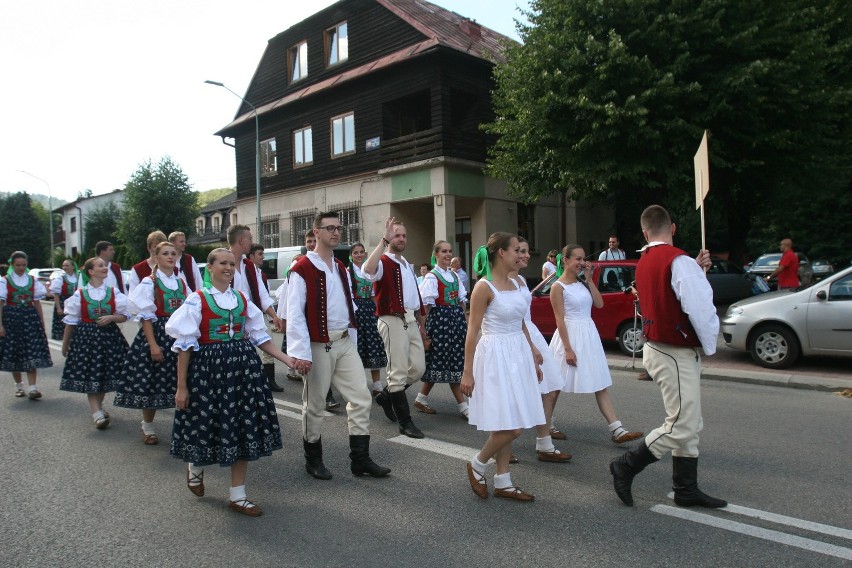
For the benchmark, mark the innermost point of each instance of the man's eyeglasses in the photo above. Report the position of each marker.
(333, 228)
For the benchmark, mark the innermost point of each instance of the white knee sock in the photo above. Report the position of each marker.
(503, 480)
(544, 444)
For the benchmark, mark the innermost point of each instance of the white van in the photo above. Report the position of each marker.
(277, 261)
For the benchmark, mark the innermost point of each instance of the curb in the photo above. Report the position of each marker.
(780, 379)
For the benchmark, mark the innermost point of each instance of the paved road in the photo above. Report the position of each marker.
(76, 496)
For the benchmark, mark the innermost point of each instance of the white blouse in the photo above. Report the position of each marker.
(185, 324)
(56, 283)
(141, 300)
(39, 292)
(429, 286)
(72, 307)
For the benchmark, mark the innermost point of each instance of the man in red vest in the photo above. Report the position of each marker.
(401, 322)
(678, 318)
(249, 280)
(106, 251)
(185, 266)
(321, 338)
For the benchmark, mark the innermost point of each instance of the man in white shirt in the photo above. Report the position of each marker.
(455, 266)
(401, 323)
(612, 252)
(321, 338)
(185, 265)
(105, 251)
(678, 318)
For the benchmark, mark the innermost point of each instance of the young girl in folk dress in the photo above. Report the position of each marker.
(577, 344)
(552, 378)
(23, 344)
(224, 414)
(501, 370)
(149, 377)
(62, 287)
(371, 349)
(443, 297)
(93, 344)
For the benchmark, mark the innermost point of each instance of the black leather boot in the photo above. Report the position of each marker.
(626, 467)
(383, 399)
(269, 371)
(359, 447)
(313, 460)
(403, 414)
(685, 479)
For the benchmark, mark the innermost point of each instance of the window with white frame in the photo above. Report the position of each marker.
(268, 158)
(337, 44)
(348, 214)
(270, 235)
(199, 226)
(303, 147)
(297, 61)
(343, 135)
(300, 223)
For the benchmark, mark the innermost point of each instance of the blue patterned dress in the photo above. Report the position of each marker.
(96, 353)
(62, 288)
(145, 383)
(371, 348)
(231, 415)
(445, 325)
(25, 345)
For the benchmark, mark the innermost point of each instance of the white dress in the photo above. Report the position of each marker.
(553, 379)
(505, 393)
(592, 371)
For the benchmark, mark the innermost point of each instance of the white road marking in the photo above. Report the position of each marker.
(289, 414)
(784, 520)
(437, 446)
(282, 402)
(756, 532)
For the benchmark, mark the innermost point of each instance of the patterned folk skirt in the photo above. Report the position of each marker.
(58, 327)
(95, 357)
(25, 345)
(447, 328)
(371, 348)
(231, 414)
(144, 383)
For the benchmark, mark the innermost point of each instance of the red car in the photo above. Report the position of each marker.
(614, 320)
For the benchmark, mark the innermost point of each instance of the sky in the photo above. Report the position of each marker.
(92, 89)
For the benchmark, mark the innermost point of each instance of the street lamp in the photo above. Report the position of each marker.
(49, 211)
(256, 149)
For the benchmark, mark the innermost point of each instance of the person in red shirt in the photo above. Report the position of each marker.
(788, 267)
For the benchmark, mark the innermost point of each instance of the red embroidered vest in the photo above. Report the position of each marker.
(250, 274)
(185, 266)
(448, 292)
(119, 278)
(91, 310)
(221, 324)
(20, 295)
(67, 287)
(142, 269)
(389, 300)
(316, 297)
(362, 288)
(663, 320)
(167, 300)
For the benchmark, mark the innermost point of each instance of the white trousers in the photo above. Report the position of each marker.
(339, 366)
(677, 371)
(404, 349)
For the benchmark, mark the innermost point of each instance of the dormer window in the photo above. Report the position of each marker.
(297, 61)
(336, 44)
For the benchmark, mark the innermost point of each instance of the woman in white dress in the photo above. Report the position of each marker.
(502, 368)
(552, 378)
(577, 343)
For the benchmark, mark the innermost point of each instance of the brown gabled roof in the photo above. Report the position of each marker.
(441, 27)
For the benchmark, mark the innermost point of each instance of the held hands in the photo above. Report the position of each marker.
(278, 323)
(182, 398)
(570, 357)
(300, 365)
(467, 383)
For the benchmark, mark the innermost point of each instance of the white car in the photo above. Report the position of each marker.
(778, 327)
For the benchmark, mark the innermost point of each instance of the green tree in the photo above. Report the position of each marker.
(608, 101)
(101, 224)
(23, 228)
(157, 197)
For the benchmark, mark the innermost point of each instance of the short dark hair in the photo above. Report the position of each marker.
(310, 234)
(655, 219)
(101, 246)
(256, 247)
(324, 215)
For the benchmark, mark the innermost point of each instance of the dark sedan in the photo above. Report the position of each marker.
(729, 282)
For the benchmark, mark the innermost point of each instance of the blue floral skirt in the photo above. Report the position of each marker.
(58, 327)
(95, 358)
(371, 348)
(446, 326)
(231, 414)
(144, 383)
(25, 345)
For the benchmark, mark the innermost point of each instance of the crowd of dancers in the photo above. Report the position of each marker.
(196, 348)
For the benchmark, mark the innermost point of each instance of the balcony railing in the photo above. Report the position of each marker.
(412, 147)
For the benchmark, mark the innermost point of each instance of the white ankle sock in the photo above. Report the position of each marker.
(463, 408)
(377, 386)
(478, 466)
(32, 388)
(238, 493)
(98, 414)
(616, 429)
(503, 480)
(19, 386)
(194, 473)
(148, 428)
(544, 444)
(422, 399)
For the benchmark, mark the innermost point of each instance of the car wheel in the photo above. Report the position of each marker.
(774, 346)
(630, 339)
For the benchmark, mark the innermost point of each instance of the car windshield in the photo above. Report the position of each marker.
(767, 260)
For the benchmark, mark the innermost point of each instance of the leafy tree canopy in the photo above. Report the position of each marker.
(157, 197)
(101, 225)
(24, 227)
(607, 100)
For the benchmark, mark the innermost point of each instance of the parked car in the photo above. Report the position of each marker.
(125, 275)
(778, 327)
(614, 320)
(766, 263)
(43, 276)
(277, 261)
(728, 281)
(822, 268)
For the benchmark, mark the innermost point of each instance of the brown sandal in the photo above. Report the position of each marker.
(196, 488)
(477, 482)
(245, 507)
(424, 408)
(515, 493)
(150, 439)
(627, 436)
